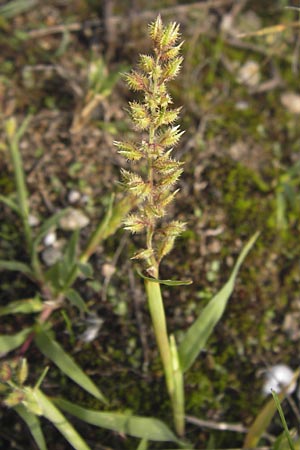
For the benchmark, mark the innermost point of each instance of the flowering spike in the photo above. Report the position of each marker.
(153, 115)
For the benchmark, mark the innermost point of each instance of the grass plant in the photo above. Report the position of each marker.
(154, 118)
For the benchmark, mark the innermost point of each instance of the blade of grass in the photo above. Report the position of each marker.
(26, 306)
(264, 417)
(199, 332)
(21, 187)
(33, 424)
(283, 421)
(53, 414)
(10, 342)
(140, 427)
(50, 348)
(11, 204)
(17, 267)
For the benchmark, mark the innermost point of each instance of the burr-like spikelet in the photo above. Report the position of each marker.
(153, 116)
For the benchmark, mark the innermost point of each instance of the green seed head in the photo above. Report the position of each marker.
(154, 118)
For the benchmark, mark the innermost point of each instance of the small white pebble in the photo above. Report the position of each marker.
(33, 221)
(241, 105)
(50, 238)
(278, 377)
(249, 74)
(74, 196)
(51, 255)
(73, 219)
(291, 101)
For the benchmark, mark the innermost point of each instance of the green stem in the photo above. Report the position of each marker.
(178, 397)
(21, 189)
(158, 317)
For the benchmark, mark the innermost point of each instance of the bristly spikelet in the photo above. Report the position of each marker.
(153, 116)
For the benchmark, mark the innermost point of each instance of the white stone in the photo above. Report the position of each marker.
(94, 323)
(73, 219)
(249, 74)
(50, 238)
(74, 196)
(291, 101)
(51, 255)
(278, 377)
(33, 220)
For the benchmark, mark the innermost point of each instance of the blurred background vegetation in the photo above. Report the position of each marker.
(60, 63)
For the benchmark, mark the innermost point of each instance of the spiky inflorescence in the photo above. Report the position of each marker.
(153, 116)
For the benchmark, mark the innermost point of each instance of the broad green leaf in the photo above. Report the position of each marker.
(17, 267)
(33, 424)
(140, 427)
(264, 417)
(53, 414)
(166, 282)
(10, 342)
(26, 306)
(50, 348)
(11, 204)
(75, 298)
(199, 332)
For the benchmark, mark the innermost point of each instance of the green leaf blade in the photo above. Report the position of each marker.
(50, 348)
(165, 282)
(16, 266)
(33, 424)
(11, 342)
(141, 427)
(199, 332)
(11, 204)
(75, 298)
(53, 414)
(26, 306)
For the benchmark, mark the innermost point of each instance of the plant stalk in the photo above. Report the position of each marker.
(21, 189)
(158, 317)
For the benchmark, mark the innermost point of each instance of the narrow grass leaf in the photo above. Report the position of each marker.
(26, 306)
(140, 427)
(10, 342)
(75, 298)
(16, 7)
(70, 252)
(264, 417)
(143, 445)
(166, 282)
(283, 421)
(33, 424)
(53, 414)
(16, 266)
(199, 332)
(11, 204)
(50, 348)
(86, 269)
